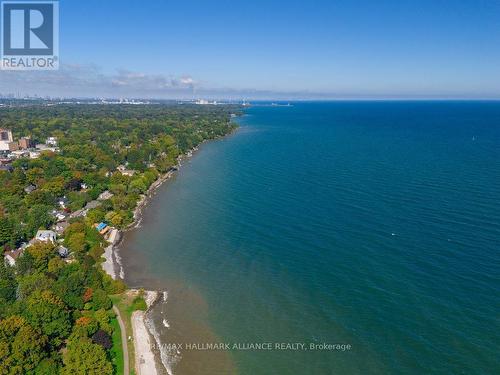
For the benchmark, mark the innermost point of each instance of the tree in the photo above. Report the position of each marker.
(96, 252)
(55, 186)
(39, 197)
(95, 216)
(74, 184)
(8, 283)
(102, 338)
(87, 296)
(102, 317)
(70, 286)
(30, 283)
(100, 300)
(76, 242)
(85, 358)
(85, 327)
(6, 229)
(25, 264)
(137, 186)
(48, 312)
(38, 217)
(115, 218)
(55, 264)
(41, 252)
(112, 286)
(21, 346)
(47, 366)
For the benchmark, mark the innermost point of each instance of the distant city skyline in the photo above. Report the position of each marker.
(272, 50)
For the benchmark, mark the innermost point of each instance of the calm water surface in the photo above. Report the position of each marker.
(373, 224)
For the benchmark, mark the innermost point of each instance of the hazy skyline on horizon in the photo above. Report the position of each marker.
(272, 50)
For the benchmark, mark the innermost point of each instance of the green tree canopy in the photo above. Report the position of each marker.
(21, 346)
(48, 312)
(85, 358)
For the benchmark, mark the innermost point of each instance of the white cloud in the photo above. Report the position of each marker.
(88, 80)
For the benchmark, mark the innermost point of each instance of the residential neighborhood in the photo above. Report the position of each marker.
(54, 235)
(72, 178)
(25, 147)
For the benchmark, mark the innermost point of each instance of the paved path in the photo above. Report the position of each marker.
(124, 341)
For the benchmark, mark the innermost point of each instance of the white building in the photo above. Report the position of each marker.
(6, 139)
(45, 236)
(105, 195)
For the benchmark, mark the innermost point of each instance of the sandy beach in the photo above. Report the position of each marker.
(108, 265)
(144, 357)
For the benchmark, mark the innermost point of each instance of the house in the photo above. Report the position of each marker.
(124, 171)
(34, 154)
(61, 227)
(7, 168)
(10, 257)
(29, 189)
(79, 213)
(102, 228)
(63, 202)
(105, 230)
(105, 195)
(59, 215)
(128, 172)
(6, 139)
(26, 143)
(62, 251)
(45, 236)
(52, 141)
(92, 204)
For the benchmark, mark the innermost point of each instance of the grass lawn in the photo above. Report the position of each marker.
(127, 303)
(117, 349)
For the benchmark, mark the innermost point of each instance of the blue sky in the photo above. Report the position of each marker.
(295, 49)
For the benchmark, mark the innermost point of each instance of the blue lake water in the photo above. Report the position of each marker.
(373, 224)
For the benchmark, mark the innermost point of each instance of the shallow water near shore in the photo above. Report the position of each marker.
(372, 224)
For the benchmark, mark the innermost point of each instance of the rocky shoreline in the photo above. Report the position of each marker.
(150, 356)
(112, 264)
(146, 362)
(150, 359)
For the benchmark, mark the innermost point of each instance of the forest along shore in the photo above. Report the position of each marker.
(72, 177)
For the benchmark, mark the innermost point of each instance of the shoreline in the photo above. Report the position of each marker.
(151, 358)
(112, 264)
(145, 363)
